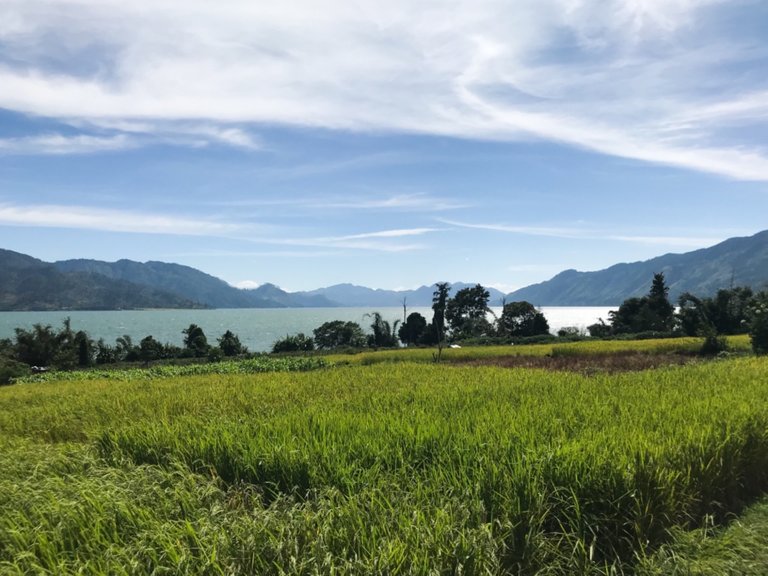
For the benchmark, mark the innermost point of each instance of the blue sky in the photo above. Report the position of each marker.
(385, 144)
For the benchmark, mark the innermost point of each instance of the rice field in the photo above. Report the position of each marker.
(389, 468)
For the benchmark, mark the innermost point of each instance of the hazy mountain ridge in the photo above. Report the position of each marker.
(27, 283)
(193, 284)
(360, 296)
(739, 261)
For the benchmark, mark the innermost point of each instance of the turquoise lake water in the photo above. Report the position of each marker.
(257, 328)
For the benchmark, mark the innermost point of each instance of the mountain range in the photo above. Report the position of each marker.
(733, 262)
(27, 283)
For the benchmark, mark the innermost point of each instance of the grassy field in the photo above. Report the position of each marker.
(390, 468)
(687, 345)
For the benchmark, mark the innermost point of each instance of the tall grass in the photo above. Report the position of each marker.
(397, 468)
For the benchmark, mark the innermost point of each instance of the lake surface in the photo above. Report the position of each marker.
(257, 328)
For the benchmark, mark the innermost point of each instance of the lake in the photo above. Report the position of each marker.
(257, 328)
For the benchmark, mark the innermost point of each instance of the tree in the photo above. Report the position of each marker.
(125, 349)
(659, 304)
(297, 343)
(338, 333)
(150, 349)
(412, 331)
(466, 312)
(37, 347)
(383, 332)
(439, 303)
(85, 349)
(599, 329)
(230, 344)
(758, 323)
(520, 319)
(106, 354)
(195, 341)
(652, 312)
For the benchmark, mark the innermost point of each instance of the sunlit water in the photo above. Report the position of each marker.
(257, 328)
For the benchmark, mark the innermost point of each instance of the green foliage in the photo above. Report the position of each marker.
(758, 324)
(37, 347)
(713, 344)
(195, 341)
(726, 313)
(599, 329)
(651, 313)
(250, 366)
(466, 313)
(397, 469)
(10, 370)
(412, 331)
(337, 334)
(296, 343)
(150, 350)
(520, 319)
(439, 304)
(384, 334)
(230, 345)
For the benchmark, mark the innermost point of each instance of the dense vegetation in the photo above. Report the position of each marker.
(396, 468)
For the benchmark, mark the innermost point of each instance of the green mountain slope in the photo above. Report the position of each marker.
(192, 284)
(30, 284)
(733, 262)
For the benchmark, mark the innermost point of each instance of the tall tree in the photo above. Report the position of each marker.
(652, 312)
(466, 312)
(439, 303)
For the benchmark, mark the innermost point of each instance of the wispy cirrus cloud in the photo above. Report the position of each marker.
(579, 233)
(377, 241)
(58, 144)
(674, 83)
(86, 218)
(416, 202)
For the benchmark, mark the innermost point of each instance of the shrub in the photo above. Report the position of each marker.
(297, 343)
(758, 325)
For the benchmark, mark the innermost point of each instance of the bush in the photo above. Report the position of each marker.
(713, 344)
(10, 369)
(298, 343)
(758, 325)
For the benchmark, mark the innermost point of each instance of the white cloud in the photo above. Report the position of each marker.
(591, 234)
(247, 284)
(379, 241)
(84, 218)
(654, 80)
(59, 144)
(390, 233)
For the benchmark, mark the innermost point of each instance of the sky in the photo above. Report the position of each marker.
(388, 144)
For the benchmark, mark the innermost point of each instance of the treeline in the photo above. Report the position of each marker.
(731, 311)
(462, 318)
(44, 348)
(465, 317)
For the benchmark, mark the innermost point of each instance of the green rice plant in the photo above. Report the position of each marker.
(250, 366)
(400, 468)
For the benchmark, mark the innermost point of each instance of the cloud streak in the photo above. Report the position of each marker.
(84, 218)
(661, 82)
(586, 234)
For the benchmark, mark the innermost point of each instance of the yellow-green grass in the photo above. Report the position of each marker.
(683, 345)
(395, 468)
